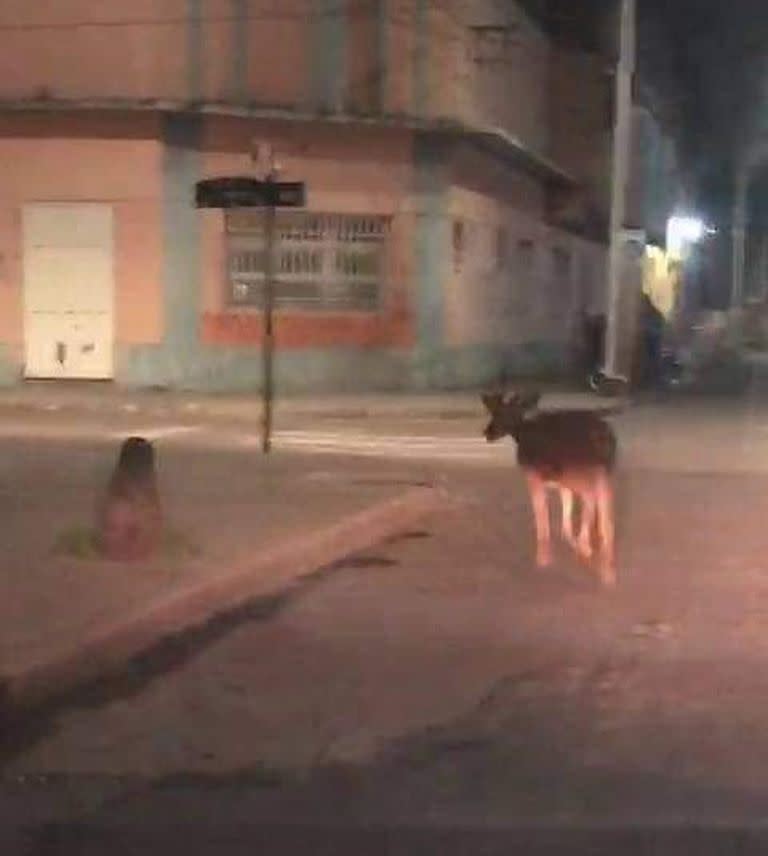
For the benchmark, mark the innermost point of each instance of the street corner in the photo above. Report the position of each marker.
(107, 649)
(422, 498)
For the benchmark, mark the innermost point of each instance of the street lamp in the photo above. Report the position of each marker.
(683, 230)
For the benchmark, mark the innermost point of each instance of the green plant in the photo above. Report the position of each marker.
(80, 542)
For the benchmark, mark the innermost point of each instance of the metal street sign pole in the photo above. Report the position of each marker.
(268, 345)
(229, 192)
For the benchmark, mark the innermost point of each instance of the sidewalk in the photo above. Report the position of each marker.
(96, 397)
(246, 532)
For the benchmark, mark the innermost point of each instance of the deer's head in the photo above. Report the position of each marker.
(507, 414)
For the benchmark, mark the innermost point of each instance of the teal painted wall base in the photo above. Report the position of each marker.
(10, 367)
(337, 370)
(240, 369)
(460, 368)
(330, 370)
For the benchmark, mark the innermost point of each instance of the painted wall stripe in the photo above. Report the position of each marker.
(182, 168)
(240, 48)
(194, 50)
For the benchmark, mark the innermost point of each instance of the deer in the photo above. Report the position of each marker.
(573, 451)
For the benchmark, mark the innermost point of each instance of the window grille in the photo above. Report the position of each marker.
(323, 262)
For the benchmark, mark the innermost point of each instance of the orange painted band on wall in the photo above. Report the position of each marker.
(307, 330)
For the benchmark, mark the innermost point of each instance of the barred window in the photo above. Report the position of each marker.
(322, 262)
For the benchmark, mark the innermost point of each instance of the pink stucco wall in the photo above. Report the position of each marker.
(150, 50)
(482, 82)
(358, 172)
(580, 110)
(363, 65)
(11, 330)
(278, 52)
(489, 295)
(400, 56)
(78, 158)
(81, 49)
(78, 49)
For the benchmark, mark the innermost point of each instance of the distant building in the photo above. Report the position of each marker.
(456, 161)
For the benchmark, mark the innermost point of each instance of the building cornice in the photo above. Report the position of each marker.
(494, 141)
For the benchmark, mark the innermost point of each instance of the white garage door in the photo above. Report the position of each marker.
(68, 291)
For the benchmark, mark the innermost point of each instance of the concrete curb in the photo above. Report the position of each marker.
(111, 647)
(222, 408)
(251, 411)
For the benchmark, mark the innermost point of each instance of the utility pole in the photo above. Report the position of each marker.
(622, 141)
(739, 227)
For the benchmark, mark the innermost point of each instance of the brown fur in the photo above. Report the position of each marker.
(573, 451)
(129, 518)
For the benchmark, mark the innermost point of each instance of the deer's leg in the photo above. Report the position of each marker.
(538, 493)
(566, 503)
(584, 543)
(605, 520)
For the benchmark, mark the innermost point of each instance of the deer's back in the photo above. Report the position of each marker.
(554, 442)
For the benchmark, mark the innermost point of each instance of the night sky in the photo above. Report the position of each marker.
(708, 60)
(704, 66)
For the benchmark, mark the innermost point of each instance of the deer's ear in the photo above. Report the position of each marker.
(527, 399)
(491, 400)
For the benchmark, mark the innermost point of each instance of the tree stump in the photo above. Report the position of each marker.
(129, 518)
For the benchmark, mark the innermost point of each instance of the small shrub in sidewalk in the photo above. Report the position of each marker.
(81, 542)
(129, 519)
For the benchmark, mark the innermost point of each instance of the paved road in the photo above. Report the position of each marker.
(691, 435)
(440, 683)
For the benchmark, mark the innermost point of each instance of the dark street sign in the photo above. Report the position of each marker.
(247, 192)
(287, 194)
